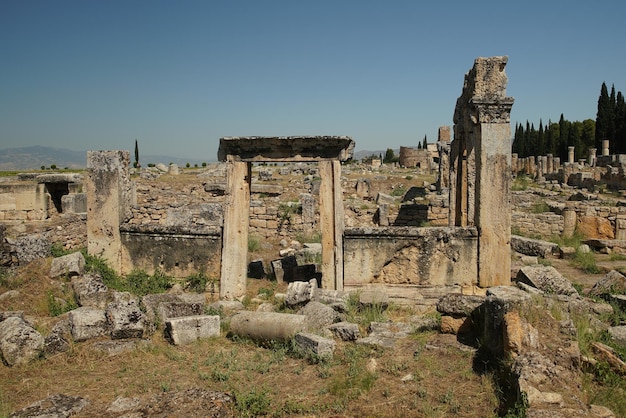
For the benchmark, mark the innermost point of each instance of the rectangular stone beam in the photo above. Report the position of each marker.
(286, 148)
(331, 224)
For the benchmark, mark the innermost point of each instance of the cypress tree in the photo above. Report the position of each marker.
(136, 154)
(603, 116)
(620, 124)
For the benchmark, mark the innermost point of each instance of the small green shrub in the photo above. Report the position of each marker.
(140, 283)
(197, 282)
(58, 307)
(398, 191)
(254, 244)
(520, 183)
(253, 403)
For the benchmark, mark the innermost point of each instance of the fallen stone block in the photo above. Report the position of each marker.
(528, 246)
(91, 291)
(185, 330)
(71, 264)
(125, 318)
(613, 282)
(87, 323)
(319, 316)
(19, 342)
(457, 304)
(547, 279)
(58, 339)
(346, 331)
(618, 334)
(300, 292)
(314, 344)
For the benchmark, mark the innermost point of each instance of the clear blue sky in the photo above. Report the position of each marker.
(178, 75)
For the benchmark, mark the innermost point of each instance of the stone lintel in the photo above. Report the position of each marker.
(285, 148)
(59, 178)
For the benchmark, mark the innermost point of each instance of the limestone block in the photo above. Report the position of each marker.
(87, 323)
(346, 331)
(457, 304)
(314, 344)
(319, 316)
(70, 264)
(91, 291)
(161, 307)
(300, 292)
(125, 318)
(547, 279)
(19, 342)
(612, 282)
(185, 330)
(595, 227)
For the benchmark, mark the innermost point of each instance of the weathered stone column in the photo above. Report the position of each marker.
(109, 198)
(234, 269)
(605, 147)
(331, 224)
(482, 116)
(570, 155)
(550, 163)
(592, 157)
(569, 222)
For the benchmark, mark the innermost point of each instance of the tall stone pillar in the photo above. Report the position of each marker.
(550, 164)
(109, 198)
(234, 269)
(482, 116)
(592, 157)
(331, 224)
(570, 155)
(605, 147)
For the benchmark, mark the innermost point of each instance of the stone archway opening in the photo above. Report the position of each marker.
(239, 153)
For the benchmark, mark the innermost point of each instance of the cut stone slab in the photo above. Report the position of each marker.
(186, 330)
(457, 304)
(346, 331)
(20, 343)
(67, 265)
(533, 247)
(547, 279)
(314, 344)
(87, 323)
(227, 307)
(160, 308)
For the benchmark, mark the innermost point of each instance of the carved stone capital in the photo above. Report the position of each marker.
(492, 111)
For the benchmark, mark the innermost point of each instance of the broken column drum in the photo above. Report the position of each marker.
(239, 153)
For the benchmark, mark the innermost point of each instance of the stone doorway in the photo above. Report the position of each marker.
(239, 153)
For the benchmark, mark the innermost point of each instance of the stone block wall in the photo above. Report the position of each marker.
(537, 224)
(24, 201)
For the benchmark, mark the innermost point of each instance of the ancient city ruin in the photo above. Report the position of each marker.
(446, 246)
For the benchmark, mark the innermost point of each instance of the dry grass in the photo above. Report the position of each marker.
(291, 385)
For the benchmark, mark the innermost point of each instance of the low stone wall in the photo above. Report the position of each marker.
(530, 224)
(177, 251)
(27, 201)
(417, 264)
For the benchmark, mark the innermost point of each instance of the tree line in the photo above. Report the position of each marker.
(556, 137)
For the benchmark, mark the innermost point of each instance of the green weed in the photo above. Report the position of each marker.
(253, 403)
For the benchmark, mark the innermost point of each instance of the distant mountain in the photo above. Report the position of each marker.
(33, 158)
